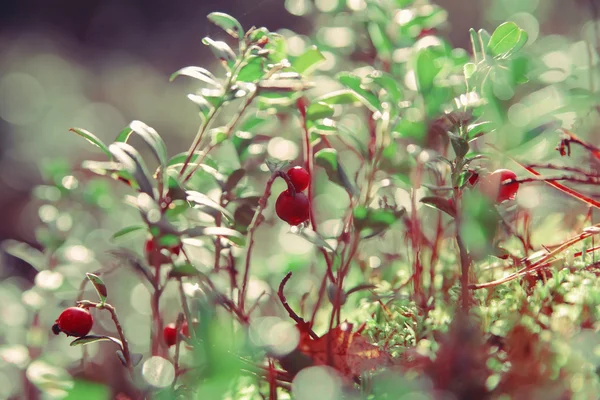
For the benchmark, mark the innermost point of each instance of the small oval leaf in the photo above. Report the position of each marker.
(99, 286)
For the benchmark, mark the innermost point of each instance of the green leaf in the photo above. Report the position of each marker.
(440, 203)
(520, 44)
(127, 230)
(123, 136)
(354, 83)
(252, 71)
(93, 139)
(221, 50)
(186, 269)
(99, 286)
(153, 139)
(233, 179)
(133, 163)
(319, 110)
(476, 130)
(459, 144)
(469, 70)
(387, 83)
(199, 73)
(426, 70)
(227, 23)
(504, 39)
(231, 234)
(373, 221)
(324, 127)
(95, 338)
(203, 104)
(308, 61)
(314, 238)
(25, 252)
(328, 160)
(476, 46)
(202, 200)
(380, 40)
(344, 96)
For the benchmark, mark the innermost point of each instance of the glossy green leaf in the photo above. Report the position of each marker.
(388, 83)
(202, 200)
(440, 203)
(227, 23)
(95, 338)
(99, 286)
(354, 83)
(319, 110)
(133, 163)
(182, 270)
(381, 41)
(328, 160)
(314, 238)
(234, 178)
(308, 61)
(504, 39)
(221, 50)
(252, 70)
(426, 70)
(123, 136)
(127, 230)
(231, 234)
(93, 139)
(153, 139)
(199, 73)
(339, 97)
(203, 104)
(373, 221)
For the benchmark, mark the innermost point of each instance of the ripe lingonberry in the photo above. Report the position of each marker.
(170, 334)
(292, 209)
(74, 321)
(493, 185)
(473, 178)
(299, 177)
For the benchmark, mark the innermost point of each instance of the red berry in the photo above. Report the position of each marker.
(185, 330)
(149, 246)
(299, 177)
(74, 321)
(175, 249)
(170, 334)
(292, 209)
(473, 178)
(493, 185)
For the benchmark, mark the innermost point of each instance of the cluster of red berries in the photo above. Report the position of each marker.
(74, 321)
(294, 209)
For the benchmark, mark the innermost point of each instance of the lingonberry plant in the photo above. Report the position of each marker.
(416, 270)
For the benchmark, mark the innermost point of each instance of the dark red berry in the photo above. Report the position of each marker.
(149, 246)
(494, 186)
(299, 177)
(170, 334)
(473, 178)
(74, 321)
(292, 209)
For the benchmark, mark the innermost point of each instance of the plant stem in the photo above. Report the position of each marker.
(256, 221)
